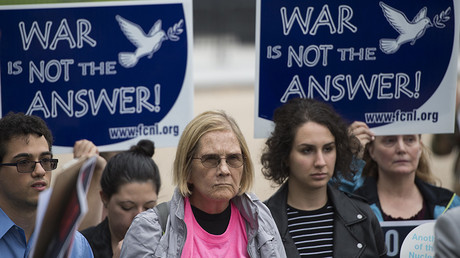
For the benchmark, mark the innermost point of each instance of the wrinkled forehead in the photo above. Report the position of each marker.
(220, 142)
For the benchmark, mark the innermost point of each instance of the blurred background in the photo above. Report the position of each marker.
(224, 78)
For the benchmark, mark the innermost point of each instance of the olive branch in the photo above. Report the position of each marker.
(175, 30)
(441, 18)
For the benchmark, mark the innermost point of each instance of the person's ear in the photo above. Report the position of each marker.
(421, 147)
(104, 198)
(370, 149)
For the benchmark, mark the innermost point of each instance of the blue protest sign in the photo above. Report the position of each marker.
(112, 72)
(391, 64)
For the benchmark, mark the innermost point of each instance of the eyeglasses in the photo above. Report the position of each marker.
(28, 166)
(213, 160)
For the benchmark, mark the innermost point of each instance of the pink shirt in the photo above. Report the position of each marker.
(199, 243)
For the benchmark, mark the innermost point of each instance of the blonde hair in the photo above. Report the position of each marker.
(206, 122)
(423, 171)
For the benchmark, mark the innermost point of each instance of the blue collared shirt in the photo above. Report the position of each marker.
(13, 241)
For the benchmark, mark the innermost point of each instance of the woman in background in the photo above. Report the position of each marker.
(398, 182)
(130, 184)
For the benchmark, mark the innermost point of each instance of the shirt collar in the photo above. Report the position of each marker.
(5, 223)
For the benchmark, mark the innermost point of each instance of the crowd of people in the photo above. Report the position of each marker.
(336, 183)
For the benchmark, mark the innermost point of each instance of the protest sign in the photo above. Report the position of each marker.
(401, 233)
(61, 208)
(389, 63)
(419, 242)
(110, 72)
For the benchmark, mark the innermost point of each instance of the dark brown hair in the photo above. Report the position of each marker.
(288, 118)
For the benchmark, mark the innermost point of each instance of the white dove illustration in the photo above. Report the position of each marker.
(146, 44)
(408, 30)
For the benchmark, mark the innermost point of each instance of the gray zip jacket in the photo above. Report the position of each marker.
(146, 239)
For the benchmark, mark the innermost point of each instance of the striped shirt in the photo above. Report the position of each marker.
(312, 231)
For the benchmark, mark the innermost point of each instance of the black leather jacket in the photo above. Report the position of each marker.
(357, 232)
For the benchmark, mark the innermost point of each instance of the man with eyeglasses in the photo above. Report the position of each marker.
(25, 171)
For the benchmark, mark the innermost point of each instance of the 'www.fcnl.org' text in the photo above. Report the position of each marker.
(400, 116)
(142, 130)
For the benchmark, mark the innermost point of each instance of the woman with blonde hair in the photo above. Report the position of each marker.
(212, 213)
(398, 182)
